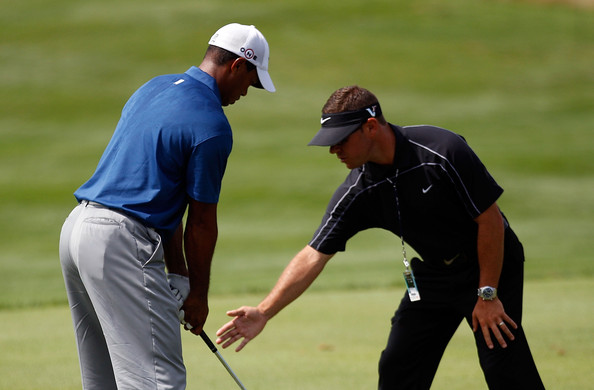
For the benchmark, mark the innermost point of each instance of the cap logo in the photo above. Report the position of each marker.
(371, 111)
(336, 126)
(248, 53)
(347, 118)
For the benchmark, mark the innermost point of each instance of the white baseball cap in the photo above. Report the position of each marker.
(249, 43)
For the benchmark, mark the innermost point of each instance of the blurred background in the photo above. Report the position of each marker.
(513, 77)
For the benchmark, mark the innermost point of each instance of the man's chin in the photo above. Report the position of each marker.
(352, 166)
(225, 104)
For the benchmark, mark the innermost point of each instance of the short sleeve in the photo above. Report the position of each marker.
(206, 168)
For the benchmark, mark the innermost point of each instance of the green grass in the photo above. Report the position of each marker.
(326, 340)
(513, 77)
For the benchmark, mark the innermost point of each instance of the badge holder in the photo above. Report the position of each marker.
(409, 278)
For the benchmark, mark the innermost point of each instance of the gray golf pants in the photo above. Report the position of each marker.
(123, 311)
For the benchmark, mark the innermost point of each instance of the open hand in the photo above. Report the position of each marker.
(247, 324)
(491, 316)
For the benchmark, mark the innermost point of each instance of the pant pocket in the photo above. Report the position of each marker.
(150, 248)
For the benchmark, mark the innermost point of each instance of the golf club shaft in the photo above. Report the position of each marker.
(214, 350)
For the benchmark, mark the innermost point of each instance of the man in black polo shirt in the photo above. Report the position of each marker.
(427, 186)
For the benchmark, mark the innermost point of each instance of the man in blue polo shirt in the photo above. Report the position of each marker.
(167, 155)
(427, 186)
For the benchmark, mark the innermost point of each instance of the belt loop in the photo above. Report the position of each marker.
(84, 202)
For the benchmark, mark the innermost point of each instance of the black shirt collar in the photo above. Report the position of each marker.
(402, 157)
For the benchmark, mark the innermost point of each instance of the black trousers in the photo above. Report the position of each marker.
(421, 330)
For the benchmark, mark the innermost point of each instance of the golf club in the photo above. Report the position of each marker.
(216, 352)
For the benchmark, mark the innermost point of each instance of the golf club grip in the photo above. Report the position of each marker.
(208, 342)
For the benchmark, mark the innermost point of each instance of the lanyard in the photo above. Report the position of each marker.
(409, 277)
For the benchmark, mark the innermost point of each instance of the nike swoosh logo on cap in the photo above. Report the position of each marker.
(324, 120)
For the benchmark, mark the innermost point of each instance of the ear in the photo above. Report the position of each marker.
(371, 127)
(237, 64)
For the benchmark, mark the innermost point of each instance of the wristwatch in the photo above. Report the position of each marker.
(488, 293)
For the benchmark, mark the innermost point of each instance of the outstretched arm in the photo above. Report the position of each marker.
(248, 322)
(490, 315)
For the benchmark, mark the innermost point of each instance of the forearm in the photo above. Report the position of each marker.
(490, 246)
(489, 314)
(174, 254)
(295, 279)
(199, 244)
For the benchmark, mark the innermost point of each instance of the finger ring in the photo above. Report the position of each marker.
(501, 323)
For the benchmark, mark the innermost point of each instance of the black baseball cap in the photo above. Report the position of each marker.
(337, 126)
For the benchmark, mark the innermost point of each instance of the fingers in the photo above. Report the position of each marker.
(504, 326)
(234, 330)
(237, 312)
(223, 331)
(511, 322)
(228, 334)
(225, 328)
(498, 336)
(501, 330)
(246, 324)
(494, 322)
(230, 337)
(190, 327)
(243, 344)
(187, 324)
(196, 331)
(487, 336)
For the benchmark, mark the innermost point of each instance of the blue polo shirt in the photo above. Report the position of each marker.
(172, 141)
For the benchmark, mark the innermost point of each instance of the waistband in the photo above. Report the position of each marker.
(93, 204)
(90, 203)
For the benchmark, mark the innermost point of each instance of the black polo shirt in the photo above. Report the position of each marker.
(440, 186)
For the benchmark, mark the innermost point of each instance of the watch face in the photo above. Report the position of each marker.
(487, 293)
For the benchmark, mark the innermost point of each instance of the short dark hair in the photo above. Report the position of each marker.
(350, 98)
(221, 56)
